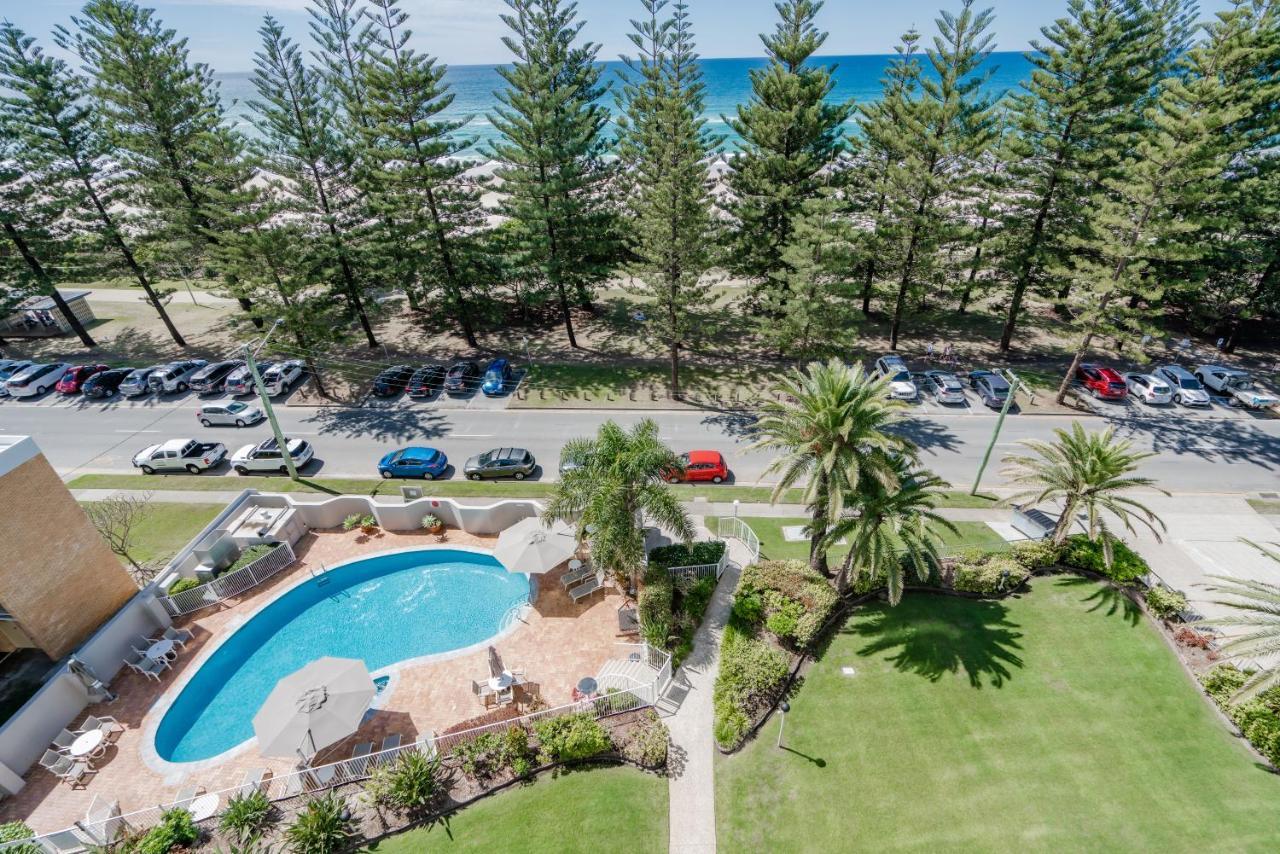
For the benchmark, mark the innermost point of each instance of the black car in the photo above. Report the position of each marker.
(991, 387)
(426, 381)
(105, 384)
(211, 378)
(392, 380)
(462, 378)
(501, 462)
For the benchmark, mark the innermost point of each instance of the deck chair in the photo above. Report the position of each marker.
(573, 575)
(588, 587)
(152, 668)
(72, 771)
(64, 740)
(292, 786)
(253, 779)
(323, 776)
(187, 795)
(179, 636)
(50, 759)
(109, 726)
(360, 755)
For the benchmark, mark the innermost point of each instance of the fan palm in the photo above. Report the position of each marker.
(892, 525)
(1258, 604)
(831, 435)
(615, 482)
(1089, 471)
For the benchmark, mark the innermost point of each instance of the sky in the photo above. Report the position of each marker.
(223, 33)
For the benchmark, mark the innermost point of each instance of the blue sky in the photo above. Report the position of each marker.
(223, 33)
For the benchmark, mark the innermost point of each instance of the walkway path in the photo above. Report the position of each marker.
(692, 812)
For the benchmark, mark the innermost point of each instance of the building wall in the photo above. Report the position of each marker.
(57, 577)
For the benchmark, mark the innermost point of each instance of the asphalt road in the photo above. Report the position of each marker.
(1218, 451)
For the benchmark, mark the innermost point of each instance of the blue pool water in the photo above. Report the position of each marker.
(382, 610)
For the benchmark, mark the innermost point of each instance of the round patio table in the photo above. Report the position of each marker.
(503, 682)
(588, 685)
(87, 743)
(160, 649)
(203, 807)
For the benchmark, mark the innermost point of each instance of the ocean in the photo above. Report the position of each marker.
(727, 85)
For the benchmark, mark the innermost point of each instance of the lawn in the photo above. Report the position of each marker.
(775, 547)
(1057, 720)
(636, 385)
(168, 527)
(618, 808)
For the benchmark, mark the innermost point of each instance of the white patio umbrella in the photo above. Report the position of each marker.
(314, 707)
(530, 547)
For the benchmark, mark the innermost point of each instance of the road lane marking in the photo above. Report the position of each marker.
(139, 431)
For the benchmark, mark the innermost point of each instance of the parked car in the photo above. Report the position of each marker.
(281, 376)
(240, 381)
(180, 455)
(500, 462)
(1232, 383)
(1149, 389)
(895, 370)
(700, 466)
(237, 413)
(461, 377)
(1102, 382)
(212, 377)
(496, 377)
(1187, 390)
(425, 381)
(136, 385)
(105, 384)
(992, 388)
(73, 380)
(426, 463)
(9, 370)
(175, 377)
(944, 387)
(267, 456)
(36, 379)
(570, 461)
(392, 380)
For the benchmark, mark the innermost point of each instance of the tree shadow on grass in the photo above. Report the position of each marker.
(1105, 599)
(933, 638)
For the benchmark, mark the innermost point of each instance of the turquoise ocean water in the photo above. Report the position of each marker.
(727, 83)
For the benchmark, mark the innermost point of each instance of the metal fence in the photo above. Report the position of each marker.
(231, 584)
(701, 570)
(732, 526)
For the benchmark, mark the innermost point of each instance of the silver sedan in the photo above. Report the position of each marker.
(234, 414)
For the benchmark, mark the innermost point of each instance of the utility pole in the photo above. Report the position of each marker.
(995, 434)
(266, 401)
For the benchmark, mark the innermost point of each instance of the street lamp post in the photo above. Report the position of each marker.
(783, 709)
(995, 434)
(266, 402)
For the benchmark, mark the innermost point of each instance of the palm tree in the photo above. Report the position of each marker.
(831, 435)
(1088, 471)
(617, 480)
(1259, 605)
(893, 525)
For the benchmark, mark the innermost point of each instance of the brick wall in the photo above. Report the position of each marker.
(57, 577)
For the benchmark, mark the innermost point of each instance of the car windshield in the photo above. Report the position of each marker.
(1240, 383)
(428, 456)
(237, 407)
(493, 375)
(902, 377)
(997, 385)
(1115, 384)
(1189, 383)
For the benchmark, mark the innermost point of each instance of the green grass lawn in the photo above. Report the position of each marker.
(588, 811)
(168, 527)
(1057, 721)
(774, 547)
(637, 384)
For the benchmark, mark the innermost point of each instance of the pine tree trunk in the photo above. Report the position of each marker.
(568, 315)
(46, 283)
(867, 287)
(451, 274)
(973, 268)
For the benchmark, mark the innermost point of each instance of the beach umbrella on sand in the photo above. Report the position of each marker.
(314, 707)
(530, 547)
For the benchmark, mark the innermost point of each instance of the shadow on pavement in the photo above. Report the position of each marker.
(400, 424)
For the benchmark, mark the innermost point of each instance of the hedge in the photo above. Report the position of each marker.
(797, 601)
(751, 673)
(1258, 718)
(693, 554)
(1127, 566)
(182, 585)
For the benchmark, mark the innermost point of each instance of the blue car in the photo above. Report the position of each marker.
(426, 463)
(496, 377)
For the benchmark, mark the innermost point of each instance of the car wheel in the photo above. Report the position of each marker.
(717, 479)
(205, 422)
(1177, 398)
(475, 476)
(239, 422)
(673, 479)
(42, 389)
(193, 469)
(519, 475)
(1094, 392)
(182, 387)
(428, 476)
(241, 470)
(147, 470)
(386, 475)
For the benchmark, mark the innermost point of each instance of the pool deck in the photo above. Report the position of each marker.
(557, 643)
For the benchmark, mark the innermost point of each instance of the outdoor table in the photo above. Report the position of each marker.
(503, 682)
(587, 685)
(203, 807)
(160, 649)
(88, 743)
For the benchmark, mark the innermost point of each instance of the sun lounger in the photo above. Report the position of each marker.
(253, 779)
(324, 775)
(187, 795)
(292, 786)
(573, 576)
(588, 587)
(361, 752)
(391, 742)
(179, 636)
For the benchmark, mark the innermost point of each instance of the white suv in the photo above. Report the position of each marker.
(35, 379)
(267, 456)
(281, 376)
(174, 377)
(895, 370)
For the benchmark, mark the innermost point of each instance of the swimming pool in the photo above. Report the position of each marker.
(382, 609)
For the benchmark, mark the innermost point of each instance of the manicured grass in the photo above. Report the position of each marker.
(168, 527)
(774, 547)
(585, 811)
(1058, 720)
(636, 385)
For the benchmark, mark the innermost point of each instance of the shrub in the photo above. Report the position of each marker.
(355, 520)
(748, 609)
(15, 831)
(751, 673)
(570, 737)
(176, 829)
(1036, 554)
(1261, 726)
(183, 584)
(323, 826)
(694, 601)
(1127, 566)
(246, 816)
(794, 581)
(412, 784)
(693, 554)
(996, 573)
(491, 752)
(251, 554)
(647, 742)
(1222, 682)
(431, 522)
(1189, 637)
(731, 723)
(784, 616)
(653, 607)
(1165, 603)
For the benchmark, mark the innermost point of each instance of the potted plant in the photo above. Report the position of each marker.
(432, 524)
(367, 524)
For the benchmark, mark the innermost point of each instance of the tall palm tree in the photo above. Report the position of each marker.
(1258, 604)
(616, 481)
(830, 433)
(893, 525)
(1089, 471)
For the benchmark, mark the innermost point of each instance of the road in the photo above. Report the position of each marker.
(1219, 451)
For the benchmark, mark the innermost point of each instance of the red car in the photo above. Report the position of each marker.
(1101, 381)
(700, 466)
(74, 378)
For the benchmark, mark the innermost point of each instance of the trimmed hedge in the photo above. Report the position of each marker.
(797, 601)
(693, 554)
(182, 585)
(570, 737)
(1258, 719)
(992, 572)
(1127, 566)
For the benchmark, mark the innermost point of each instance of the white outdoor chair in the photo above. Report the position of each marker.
(64, 740)
(109, 726)
(253, 779)
(70, 771)
(588, 587)
(102, 820)
(179, 636)
(187, 795)
(573, 575)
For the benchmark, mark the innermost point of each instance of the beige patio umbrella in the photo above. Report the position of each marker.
(314, 707)
(530, 547)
